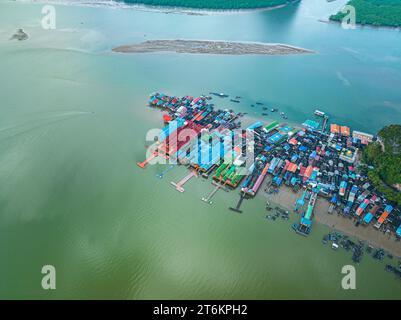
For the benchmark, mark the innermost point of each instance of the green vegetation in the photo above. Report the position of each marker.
(374, 12)
(386, 175)
(213, 4)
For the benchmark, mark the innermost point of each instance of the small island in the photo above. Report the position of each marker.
(380, 13)
(211, 47)
(214, 4)
(20, 35)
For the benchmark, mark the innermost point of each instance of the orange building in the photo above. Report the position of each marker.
(334, 128)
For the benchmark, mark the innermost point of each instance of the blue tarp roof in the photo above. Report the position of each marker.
(302, 148)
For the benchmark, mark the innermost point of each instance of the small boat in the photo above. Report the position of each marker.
(236, 101)
(259, 103)
(319, 113)
(221, 95)
(389, 268)
(273, 110)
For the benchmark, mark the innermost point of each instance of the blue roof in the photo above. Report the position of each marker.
(275, 137)
(255, 125)
(368, 217)
(285, 129)
(388, 208)
(311, 124)
(399, 231)
(306, 222)
(302, 148)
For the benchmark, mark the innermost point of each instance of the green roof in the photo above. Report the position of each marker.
(272, 126)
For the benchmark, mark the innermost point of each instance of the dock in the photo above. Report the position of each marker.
(180, 185)
(238, 206)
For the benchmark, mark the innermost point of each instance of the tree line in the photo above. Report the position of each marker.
(212, 4)
(374, 12)
(386, 172)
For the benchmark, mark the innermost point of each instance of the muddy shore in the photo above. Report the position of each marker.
(287, 198)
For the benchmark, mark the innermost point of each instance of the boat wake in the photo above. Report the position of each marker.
(122, 5)
(13, 131)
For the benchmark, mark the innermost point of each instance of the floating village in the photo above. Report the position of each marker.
(317, 159)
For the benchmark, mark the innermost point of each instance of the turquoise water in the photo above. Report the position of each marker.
(73, 124)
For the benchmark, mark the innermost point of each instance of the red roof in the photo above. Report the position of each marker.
(334, 128)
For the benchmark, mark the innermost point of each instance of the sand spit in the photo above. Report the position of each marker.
(211, 47)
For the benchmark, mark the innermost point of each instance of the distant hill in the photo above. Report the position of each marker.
(213, 4)
(385, 157)
(374, 12)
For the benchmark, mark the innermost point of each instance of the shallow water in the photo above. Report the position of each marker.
(72, 126)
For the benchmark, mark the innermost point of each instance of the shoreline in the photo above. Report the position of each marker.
(361, 26)
(155, 8)
(286, 198)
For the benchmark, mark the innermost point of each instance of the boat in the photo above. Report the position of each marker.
(221, 95)
(236, 101)
(319, 113)
(273, 110)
